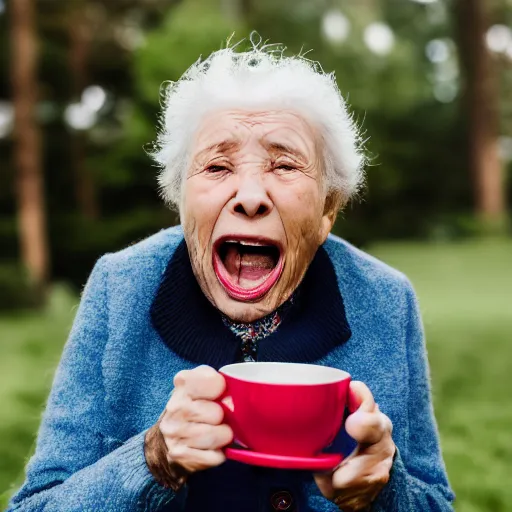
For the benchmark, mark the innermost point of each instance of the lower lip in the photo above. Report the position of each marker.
(245, 294)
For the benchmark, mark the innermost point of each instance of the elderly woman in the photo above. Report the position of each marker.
(259, 155)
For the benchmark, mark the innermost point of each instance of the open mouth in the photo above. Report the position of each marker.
(247, 267)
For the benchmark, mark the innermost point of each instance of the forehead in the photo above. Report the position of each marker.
(272, 128)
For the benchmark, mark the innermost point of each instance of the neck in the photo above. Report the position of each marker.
(193, 329)
(252, 332)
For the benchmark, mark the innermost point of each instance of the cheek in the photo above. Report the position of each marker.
(203, 202)
(300, 206)
(299, 189)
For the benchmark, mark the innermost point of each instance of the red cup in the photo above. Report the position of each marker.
(287, 409)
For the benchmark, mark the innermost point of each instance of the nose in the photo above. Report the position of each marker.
(251, 200)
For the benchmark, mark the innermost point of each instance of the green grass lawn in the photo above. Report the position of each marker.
(30, 346)
(465, 292)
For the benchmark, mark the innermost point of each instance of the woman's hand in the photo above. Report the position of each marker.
(190, 433)
(355, 484)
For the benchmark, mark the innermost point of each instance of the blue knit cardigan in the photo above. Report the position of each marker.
(142, 319)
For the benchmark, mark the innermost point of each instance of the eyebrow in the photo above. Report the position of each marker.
(220, 147)
(285, 148)
(229, 145)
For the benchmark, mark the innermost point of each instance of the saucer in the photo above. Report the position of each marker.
(321, 462)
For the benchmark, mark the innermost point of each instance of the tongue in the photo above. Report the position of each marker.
(244, 267)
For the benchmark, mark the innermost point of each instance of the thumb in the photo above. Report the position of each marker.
(360, 398)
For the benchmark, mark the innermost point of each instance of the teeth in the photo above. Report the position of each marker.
(256, 244)
(243, 242)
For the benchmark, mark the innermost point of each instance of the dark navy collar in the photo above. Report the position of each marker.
(193, 329)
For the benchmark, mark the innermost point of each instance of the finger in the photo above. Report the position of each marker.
(212, 438)
(360, 501)
(197, 411)
(360, 397)
(196, 435)
(193, 459)
(202, 382)
(324, 484)
(367, 427)
(347, 481)
(206, 437)
(351, 475)
(364, 472)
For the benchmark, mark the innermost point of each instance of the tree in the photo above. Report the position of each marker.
(79, 37)
(481, 103)
(27, 146)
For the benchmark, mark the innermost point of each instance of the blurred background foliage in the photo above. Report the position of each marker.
(430, 81)
(102, 64)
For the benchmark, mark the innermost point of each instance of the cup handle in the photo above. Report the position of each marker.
(226, 402)
(354, 402)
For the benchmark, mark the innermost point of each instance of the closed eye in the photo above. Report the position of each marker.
(216, 168)
(286, 167)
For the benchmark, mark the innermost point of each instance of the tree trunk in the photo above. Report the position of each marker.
(27, 146)
(85, 190)
(482, 103)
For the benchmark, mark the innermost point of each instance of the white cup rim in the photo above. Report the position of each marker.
(280, 373)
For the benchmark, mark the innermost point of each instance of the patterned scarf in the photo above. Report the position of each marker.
(251, 333)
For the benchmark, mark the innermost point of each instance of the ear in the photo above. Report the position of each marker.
(332, 205)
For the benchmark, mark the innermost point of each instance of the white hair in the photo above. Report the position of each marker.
(260, 78)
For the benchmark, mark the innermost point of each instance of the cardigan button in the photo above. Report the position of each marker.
(282, 500)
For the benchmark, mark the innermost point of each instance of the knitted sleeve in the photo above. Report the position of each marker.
(72, 469)
(418, 477)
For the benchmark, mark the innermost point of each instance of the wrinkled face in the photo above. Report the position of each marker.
(253, 209)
